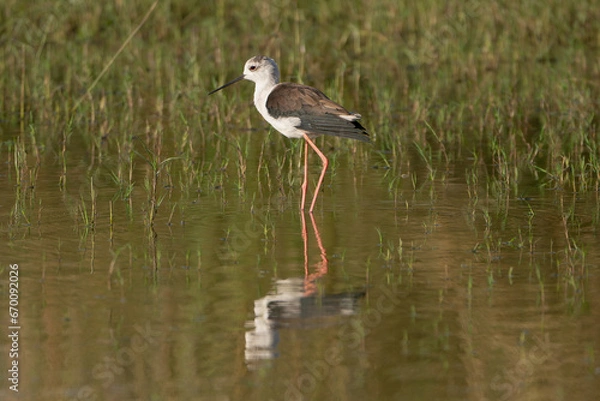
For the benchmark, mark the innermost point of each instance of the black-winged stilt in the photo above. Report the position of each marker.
(298, 111)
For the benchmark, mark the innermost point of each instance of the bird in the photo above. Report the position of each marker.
(298, 111)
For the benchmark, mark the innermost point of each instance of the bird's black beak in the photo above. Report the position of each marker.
(227, 84)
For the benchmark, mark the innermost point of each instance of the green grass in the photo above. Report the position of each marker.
(115, 95)
(461, 77)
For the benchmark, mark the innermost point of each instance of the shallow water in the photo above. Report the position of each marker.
(398, 288)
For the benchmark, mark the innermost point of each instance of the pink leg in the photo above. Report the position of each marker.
(305, 182)
(325, 164)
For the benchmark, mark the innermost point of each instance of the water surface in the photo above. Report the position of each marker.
(399, 287)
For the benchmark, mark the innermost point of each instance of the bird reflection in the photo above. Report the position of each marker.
(295, 303)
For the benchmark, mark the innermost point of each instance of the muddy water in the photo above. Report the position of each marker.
(397, 288)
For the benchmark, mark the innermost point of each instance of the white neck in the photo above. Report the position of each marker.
(261, 92)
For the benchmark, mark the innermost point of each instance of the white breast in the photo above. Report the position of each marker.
(285, 125)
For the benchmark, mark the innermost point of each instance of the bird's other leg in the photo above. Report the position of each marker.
(323, 171)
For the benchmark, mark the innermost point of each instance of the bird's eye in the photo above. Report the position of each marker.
(252, 68)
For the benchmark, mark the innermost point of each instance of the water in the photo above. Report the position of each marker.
(401, 287)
